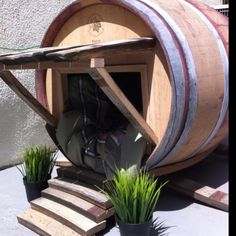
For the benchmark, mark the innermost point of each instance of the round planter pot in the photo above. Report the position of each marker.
(143, 229)
(33, 189)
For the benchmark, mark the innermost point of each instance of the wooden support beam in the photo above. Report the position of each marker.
(78, 65)
(205, 194)
(114, 93)
(100, 49)
(27, 97)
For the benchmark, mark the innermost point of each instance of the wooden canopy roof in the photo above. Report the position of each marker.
(66, 57)
(56, 57)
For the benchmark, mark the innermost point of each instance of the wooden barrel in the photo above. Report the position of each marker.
(185, 98)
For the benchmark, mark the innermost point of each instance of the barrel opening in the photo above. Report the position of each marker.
(129, 82)
(92, 129)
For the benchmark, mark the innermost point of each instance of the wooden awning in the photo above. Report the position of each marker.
(56, 57)
(62, 57)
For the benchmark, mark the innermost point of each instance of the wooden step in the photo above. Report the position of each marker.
(67, 216)
(82, 174)
(88, 194)
(44, 225)
(85, 208)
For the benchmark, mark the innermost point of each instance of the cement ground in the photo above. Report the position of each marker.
(185, 216)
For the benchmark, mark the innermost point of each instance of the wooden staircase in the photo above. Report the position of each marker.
(71, 205)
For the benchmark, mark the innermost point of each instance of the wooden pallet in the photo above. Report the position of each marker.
(185, 183)
(67, 207)
(200, 192)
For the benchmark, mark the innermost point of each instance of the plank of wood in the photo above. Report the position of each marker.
(67, 216)
(44, 225)
(27, 97)
(114, 93)
(75, 173)
(85, 208)
(44, 65)
(63, 162)
(200, 192)
(35, 52)
(79, 51)
(85, 193)
(57, 93)
(100, 49)
(82, 174)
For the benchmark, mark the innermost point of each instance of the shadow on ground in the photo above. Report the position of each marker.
(212, 172)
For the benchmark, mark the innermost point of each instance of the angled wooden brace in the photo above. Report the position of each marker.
(27, 97)
(114, 93)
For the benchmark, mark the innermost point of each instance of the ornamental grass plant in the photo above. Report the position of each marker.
(134, 195)
(38, 163)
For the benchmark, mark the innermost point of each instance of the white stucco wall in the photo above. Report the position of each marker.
(22, 24)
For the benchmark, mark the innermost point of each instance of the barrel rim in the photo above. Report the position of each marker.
(224, 104)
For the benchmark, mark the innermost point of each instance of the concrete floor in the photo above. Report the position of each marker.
(186, 217)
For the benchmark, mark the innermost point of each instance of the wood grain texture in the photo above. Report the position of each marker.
(70, 218)
(101, 49)
(58, 93)
(82, 174)
(26, 96)
(87, 194)
(72, 53)
(32, 55)
(210, 76)
(44, 225)
(42, 65)
(218, 20)
(171, 168)
(206, 194)
(77, 204)
(114, 93)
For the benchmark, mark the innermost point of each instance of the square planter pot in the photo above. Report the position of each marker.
(33, 189)
(143, 229)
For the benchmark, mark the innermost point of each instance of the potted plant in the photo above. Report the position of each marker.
(134, 195)
(38, 163)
